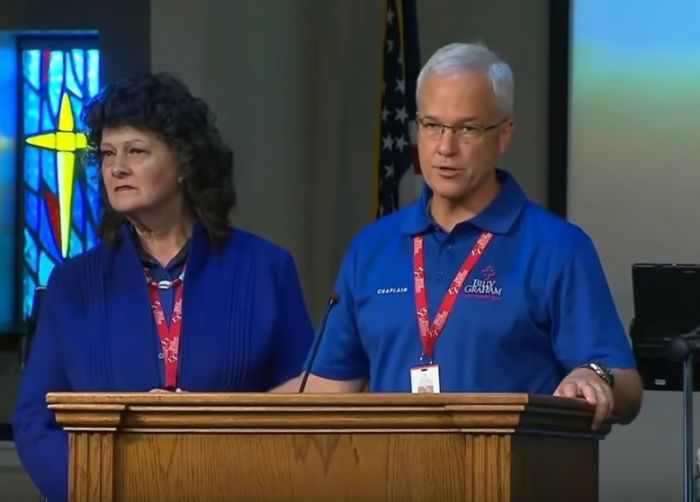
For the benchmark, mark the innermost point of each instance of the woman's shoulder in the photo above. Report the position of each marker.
(68, 278)
(83, 263)
(242, 241)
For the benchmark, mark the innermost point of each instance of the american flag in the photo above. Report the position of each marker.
(397, 164)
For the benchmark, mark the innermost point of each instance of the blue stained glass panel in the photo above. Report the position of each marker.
(31, 167)
(55, 87)
(75, 71)
(77, 106)
(46, 265)
(78, 209)
(91, 236)
(31, 253)
(31, 63)
(71, 83)
(76, 244)
(95, 202)
(28, 285)
(78, 56)
(10, 175)
(31, 110)
(93, 71)
(92, 176)
(48, 241)
(47, 119)
(48, 169)
(31, 211)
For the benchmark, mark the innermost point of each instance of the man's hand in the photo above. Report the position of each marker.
(584, 383)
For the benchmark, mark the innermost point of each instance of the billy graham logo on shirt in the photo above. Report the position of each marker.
(485, 286)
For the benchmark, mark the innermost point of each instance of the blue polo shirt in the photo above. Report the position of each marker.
(159, 273)
(534, 307)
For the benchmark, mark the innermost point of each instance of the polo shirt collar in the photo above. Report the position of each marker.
(498, 217)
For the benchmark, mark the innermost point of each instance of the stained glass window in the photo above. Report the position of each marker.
(60, 187)
(8, 183)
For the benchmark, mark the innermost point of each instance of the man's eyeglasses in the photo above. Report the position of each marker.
(465, 132)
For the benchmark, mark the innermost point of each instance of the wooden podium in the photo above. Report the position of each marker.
(311, 447)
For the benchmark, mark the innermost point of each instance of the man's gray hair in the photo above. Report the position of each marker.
(454, 59)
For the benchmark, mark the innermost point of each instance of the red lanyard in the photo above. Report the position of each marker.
(169, 338)
(430, 334)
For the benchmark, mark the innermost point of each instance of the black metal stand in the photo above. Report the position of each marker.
(25, 342)
(23, 352)
(684, 348)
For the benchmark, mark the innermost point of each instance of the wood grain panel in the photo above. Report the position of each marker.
(90, 467)
(487, 468)
(294, 467)
(366, 447)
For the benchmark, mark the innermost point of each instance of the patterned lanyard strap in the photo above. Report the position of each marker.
(169, 336)
(429, 334)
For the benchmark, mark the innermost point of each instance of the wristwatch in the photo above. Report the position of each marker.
(603, 372)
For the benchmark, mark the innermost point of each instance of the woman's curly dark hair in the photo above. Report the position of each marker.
(161, 104)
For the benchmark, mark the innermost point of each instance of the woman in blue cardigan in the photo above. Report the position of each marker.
(173, 298)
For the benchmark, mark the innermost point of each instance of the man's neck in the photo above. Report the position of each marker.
(448, 213)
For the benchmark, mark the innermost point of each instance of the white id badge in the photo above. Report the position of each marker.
(425, 379)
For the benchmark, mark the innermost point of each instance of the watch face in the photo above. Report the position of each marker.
(603, 373)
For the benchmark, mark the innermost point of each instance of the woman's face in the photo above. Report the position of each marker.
(140, 172)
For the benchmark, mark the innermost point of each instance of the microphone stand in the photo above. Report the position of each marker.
(684, 348)
(332, 301)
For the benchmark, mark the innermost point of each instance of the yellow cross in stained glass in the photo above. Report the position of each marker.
(65, 141)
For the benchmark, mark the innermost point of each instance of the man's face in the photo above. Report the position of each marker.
(456, 163)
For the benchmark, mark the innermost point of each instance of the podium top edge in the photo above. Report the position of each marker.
(308, 399)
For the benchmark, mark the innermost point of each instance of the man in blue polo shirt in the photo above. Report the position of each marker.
(474, 288)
